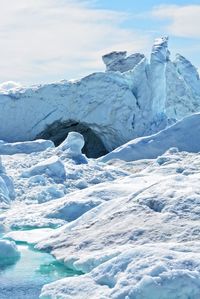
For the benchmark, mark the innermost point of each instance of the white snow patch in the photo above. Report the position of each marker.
(9, 86)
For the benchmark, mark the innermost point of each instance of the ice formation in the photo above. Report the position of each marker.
(182, 135)
(9, 253)
(72, 147)
(128, 222)
(7, 192)
(133, 98)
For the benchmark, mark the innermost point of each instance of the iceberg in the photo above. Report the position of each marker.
(134, 97)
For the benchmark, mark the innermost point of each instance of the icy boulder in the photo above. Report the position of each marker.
(52, 167)
(72, 147)
(9, 253)
(182, 135)
(26, 147)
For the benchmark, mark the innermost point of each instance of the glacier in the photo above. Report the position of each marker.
(100, 178)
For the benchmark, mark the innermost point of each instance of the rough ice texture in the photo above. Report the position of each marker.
(134, 98)
(183, 88)
(118, 61)
(9, 253)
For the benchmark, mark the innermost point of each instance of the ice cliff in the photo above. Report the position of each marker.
(133, 97)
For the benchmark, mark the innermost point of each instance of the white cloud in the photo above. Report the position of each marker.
(45, 40)
(184, 21)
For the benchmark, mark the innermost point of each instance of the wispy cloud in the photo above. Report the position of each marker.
(44, 40)
(183, 21)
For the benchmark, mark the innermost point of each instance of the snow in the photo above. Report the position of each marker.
(9, 253)
(9, 86)
(143, 241)
(127, 221)
(182, 135)
(52, 167)
(27, 147)
(72, 147)
(135, 273)
(30, 236)
(130, 227)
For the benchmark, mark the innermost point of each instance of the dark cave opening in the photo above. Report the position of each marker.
(58, 131)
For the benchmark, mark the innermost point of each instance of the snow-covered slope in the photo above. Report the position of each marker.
(131, 228)
(143, 241)
(182, 135)
(132, 98)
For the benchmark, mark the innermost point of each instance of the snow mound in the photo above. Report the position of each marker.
(182, 135)
(52, 167)
(26, 147)
(9, 253)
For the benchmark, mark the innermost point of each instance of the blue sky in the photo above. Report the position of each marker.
(49, 40)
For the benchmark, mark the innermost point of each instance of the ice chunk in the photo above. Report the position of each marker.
(7, 191)
(9, 253)
(118, 61)
(52, 167)
(72, 147)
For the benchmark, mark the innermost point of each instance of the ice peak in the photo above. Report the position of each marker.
(189, 72)
(160, 52)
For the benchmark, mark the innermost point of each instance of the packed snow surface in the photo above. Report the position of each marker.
(131, 228)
